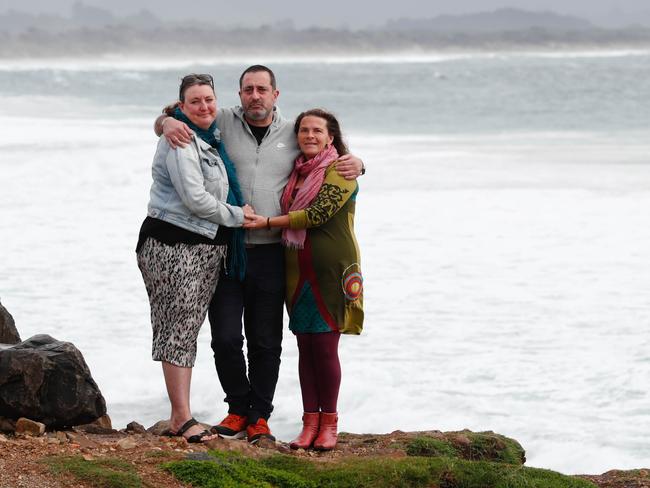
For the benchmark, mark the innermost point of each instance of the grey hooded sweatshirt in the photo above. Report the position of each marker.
(263, 170)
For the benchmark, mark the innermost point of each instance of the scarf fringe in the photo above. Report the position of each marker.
(292, 245)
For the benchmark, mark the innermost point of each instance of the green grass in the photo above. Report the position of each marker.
(431, 447)
(230, 470)
(490, 446)
(101, 473)
(474, 446)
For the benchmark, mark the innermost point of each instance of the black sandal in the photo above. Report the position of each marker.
(193, 439)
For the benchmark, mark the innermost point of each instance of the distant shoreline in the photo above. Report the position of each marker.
(295, 44)
(163, 60)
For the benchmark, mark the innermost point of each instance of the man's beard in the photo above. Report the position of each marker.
(257, 113)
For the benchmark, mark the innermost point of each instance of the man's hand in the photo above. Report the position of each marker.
(176, 132)
(256, 222)
(348, 166)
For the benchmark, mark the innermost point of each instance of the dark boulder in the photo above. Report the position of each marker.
(8, 332)
(48, 381)
(135, 428)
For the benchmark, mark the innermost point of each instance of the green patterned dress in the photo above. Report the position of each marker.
(324, 281)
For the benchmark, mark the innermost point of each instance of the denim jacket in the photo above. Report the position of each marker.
(190, 187)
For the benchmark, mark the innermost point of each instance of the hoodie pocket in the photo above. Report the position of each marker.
(266, 202)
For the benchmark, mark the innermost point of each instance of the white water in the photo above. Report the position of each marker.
(507, 277)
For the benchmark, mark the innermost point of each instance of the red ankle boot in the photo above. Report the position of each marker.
(327, 433)
(310, 422)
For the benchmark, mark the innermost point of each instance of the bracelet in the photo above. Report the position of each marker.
(268, 223)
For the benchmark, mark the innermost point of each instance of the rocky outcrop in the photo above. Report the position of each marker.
(431, 458)
(8, 332)
(48, 381)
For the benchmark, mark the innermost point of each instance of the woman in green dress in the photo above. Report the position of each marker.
(324, 281)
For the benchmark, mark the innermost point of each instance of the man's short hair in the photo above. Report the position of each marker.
(256, 68)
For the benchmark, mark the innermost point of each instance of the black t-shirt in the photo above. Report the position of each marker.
(258, 132)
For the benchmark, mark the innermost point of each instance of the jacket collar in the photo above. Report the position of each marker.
(204, 145)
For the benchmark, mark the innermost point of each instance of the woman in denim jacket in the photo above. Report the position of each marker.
(195, 202)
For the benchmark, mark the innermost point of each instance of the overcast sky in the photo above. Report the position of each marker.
(348, 13)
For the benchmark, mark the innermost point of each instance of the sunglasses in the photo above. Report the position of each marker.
(195, 79)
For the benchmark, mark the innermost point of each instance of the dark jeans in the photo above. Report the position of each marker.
(260, 298)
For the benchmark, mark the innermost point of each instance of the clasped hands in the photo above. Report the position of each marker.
(252, 220)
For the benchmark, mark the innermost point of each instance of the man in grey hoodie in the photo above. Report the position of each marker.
(263, 147)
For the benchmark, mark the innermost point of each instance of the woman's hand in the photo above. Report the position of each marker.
(176, 132)
(255, 222)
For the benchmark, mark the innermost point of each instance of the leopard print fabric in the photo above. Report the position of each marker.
(180, 281)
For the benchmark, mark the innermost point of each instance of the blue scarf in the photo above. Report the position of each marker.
(236, 262)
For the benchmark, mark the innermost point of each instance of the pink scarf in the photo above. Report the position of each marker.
(314, 169)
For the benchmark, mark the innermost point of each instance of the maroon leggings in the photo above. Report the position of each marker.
(319, 370)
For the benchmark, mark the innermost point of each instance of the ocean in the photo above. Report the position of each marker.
(503, 225)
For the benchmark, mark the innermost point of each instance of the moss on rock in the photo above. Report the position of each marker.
(231, 470)
(472, 446)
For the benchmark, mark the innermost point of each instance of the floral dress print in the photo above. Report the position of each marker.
(324, 281)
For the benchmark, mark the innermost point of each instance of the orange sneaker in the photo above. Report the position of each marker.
(258, 430)
(232, 427)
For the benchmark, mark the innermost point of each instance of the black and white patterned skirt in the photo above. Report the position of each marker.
(180, 281)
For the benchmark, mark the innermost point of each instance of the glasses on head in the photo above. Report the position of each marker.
(205, 78)
(195, 79)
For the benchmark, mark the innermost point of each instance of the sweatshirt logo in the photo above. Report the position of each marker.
(280, 145)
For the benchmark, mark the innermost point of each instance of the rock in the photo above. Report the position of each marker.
(283, 448)
(245, 448)
(462, 440)
(3, 438)
(159, 427)
(162, 425)
(93, 429)
(85, 443)
(62, 436)
(127, 443)
(636, 478)
(7, 425)
(8, 332)
(135, 427)
(266, 443)
(217, 443)
(48, 381)
(30, 427)
(102, 425)
(104, 422)
(199, 456)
